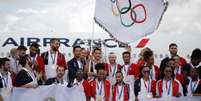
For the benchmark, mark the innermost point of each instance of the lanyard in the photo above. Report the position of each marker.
(17, 65)
(80, 65)
(114, 70)
(5, 81)
(99, 87)
(168, 88)
(126, 71)
(177, 71)
(193, 87)
(151, 73)
(120, 93)
(147, 87)
(53, 58)
(34, 58)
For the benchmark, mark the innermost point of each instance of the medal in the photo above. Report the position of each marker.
(168, 88)
(193, 87)
(148, 87)
(149, 95)
(99, 98)
(53, 58)
(112, 80)
(99, 87)
(120, 92)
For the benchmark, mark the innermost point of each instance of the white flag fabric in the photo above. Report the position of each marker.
(47, 93)
(129, 20)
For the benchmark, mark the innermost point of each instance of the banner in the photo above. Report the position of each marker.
(129, 20)
(47, 93)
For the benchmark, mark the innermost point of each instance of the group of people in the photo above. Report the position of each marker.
(103, 80)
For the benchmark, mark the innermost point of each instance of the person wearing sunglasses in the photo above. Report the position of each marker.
(145, 87)
(168, 86)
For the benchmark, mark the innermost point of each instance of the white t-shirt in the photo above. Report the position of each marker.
(80, 65)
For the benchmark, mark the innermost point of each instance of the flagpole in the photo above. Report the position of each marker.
(92, 37)
(91, 45)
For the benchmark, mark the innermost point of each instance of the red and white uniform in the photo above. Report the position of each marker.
(51, 60)
(168, 88)
(130, 69)
(182, 61)
(154, 72)
(100, 90)
(39, 60)
(178, 74)
(113, 69)
(148, 88)
(120, 92)
(93, 64)
(112, 72)
(140, 63)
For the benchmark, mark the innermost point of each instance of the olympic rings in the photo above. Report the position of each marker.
(124, 9)
(114, 12)
(135, 19)
(123, 23)
(130, 11)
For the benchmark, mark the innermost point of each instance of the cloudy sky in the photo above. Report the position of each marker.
(61, 16)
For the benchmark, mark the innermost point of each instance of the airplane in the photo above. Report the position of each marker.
(157, 42)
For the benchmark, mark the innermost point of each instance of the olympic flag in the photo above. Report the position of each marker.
(129, 20)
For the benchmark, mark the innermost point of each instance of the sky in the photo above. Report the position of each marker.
(61, 16)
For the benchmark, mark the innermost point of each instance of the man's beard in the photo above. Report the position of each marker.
(5, 69)
(55, 49)
(119, 82)
(77, 56)
(60, 75)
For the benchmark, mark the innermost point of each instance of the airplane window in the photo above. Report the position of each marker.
(188, 56)
(156, 56)
(166, 55)
(69, 54)
(161, 55)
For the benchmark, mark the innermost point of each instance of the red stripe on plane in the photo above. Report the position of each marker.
(143, 42)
